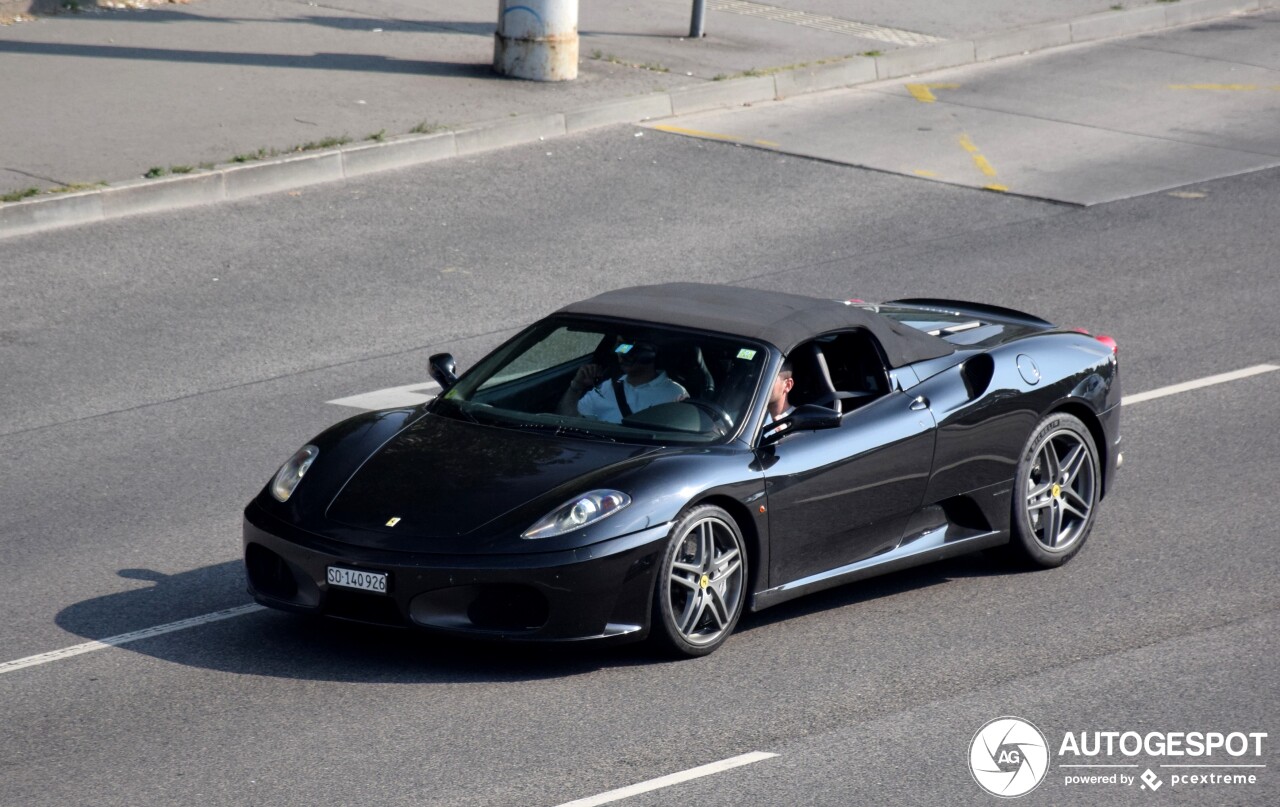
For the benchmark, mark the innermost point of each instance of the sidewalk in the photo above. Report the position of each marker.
(219, 99)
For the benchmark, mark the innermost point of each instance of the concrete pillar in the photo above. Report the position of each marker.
(537, 39)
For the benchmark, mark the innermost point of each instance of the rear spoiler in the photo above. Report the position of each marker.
(979, 310)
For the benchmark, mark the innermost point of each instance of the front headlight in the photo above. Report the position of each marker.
(291, 473)
(579, 512)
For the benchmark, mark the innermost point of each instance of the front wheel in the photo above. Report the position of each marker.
(1057, 489)
(701, 583)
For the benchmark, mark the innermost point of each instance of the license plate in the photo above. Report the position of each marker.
(351, 578)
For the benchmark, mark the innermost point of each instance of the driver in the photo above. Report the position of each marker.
(640, 386)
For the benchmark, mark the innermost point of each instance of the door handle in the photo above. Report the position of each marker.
(919, 403)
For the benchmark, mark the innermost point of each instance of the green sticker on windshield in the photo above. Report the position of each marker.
(746, 354)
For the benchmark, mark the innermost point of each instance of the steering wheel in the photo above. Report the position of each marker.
(720, 417)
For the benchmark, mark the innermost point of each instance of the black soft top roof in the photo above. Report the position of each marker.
(781, 319)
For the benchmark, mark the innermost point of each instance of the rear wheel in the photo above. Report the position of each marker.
(1056, 492)
(701, 582)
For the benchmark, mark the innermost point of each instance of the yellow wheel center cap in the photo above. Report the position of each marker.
(705, 581)
(1057, 491)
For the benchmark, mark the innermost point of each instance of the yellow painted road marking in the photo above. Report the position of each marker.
(997, 188)
(1223, 87)
(921, 92)
(984, 166)
(925, 173)
(696, 133)
(768, 143)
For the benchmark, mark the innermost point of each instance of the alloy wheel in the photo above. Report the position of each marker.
(1061, 490)
(705, 580)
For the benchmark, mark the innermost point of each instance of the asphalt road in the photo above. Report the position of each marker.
(158, 369)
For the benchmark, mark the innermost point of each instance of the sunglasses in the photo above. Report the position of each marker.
(635, 354)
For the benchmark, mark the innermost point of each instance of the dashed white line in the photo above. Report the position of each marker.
(670, 779)
(1187, 386)
(411, 394)
(125, 638)
(391, 397)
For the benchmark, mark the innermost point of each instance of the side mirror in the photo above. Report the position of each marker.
(805, 418)
(444, 370)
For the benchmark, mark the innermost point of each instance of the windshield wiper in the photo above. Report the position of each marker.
(455, 408)
(560, 430)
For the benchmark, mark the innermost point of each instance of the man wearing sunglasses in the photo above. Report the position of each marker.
(640, 386)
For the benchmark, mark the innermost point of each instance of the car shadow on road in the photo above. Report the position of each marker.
(276, 644)
(980, 564)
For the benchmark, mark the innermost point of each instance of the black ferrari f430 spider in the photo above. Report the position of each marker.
(653, 461)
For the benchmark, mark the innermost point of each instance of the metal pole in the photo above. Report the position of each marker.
(697, 25)
(537, 39)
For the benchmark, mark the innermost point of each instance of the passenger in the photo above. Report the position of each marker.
(779, 404)
(640, 386)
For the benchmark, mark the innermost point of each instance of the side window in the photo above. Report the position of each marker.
(842, 371)
(856, 364)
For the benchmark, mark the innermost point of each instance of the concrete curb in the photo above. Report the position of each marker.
(858, 70)
(910, 61)
(239, 181)
(631, 110)
(397, 152)
(721, 94)
(508, 132)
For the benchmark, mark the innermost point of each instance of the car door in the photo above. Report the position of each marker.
(840, 495)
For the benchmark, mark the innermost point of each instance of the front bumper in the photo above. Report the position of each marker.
(601, 591)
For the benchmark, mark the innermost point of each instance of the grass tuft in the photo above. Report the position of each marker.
(429, 128)
(18, 196)
(326, 143)
(78, 186)
(251, 156)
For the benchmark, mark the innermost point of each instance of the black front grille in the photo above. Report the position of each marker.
(269, 574)
(501, 607)
(375, 608)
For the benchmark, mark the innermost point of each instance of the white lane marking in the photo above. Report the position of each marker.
(391, 397)
(669, 780)
(1187, 386)
(423, 391)
(125, 638)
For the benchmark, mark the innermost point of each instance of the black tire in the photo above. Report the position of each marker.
(1056, 492)
(701, 584)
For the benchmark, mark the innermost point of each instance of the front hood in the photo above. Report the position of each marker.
(442, 478)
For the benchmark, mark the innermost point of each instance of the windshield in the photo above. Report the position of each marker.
(613, 381)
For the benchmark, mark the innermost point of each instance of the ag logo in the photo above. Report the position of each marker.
(1008, 757)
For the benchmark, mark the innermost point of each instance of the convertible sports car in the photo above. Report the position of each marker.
(614, 472)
